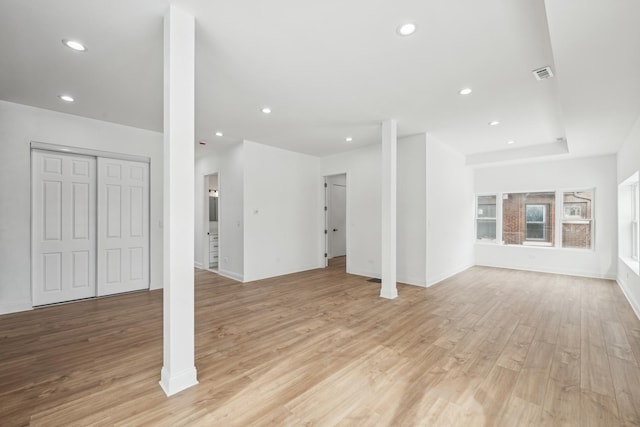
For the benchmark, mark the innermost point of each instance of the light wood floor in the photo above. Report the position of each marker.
(486, 347)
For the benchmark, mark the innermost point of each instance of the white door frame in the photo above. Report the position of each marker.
(326, 218)
(205, 221)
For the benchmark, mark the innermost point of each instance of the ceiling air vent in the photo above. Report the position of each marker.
(543, 73)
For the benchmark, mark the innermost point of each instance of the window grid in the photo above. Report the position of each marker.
(486, 218)
(577, 220)
(536, 218)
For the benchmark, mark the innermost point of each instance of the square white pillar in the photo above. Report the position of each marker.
(178, 371)
(389, 179)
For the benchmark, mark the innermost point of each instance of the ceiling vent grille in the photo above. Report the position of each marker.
(543, 73)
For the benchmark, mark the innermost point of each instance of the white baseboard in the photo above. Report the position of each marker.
(199, 265)
(369, 274)
(632, 301)
(172, 384)
(16, 307)
(231, 275)
(405, 280)
(439, 278)
(412, 281)
(281, 273)
(389, 295)
(576, 273)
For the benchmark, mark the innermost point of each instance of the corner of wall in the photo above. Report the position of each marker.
(635, 305)
(231, 275)
(444, 276)
(16, 307)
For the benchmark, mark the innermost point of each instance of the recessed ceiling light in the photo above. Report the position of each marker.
(66, 98)
(494, 123)
(348, 139)
(406, 29)
(511, 142)
(266, 110)
(219, 133)
(465, 91)
(75, 45)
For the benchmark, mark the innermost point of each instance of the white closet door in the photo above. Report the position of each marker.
(63, 227)
(123, 226)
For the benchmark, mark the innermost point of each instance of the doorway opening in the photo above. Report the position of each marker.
(212, 214)
(335, 197)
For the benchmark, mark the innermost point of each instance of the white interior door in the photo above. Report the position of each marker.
(63, 227)
(123, 226)
(337, 220)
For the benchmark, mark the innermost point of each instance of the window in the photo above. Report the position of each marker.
(528, 218)
(486, 218)
(536, 222)
(577, 222)
(628, 222)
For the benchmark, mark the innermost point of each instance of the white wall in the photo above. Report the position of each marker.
(19, 126)
(411, 202)
(282, 216)
(628, 162)
(229, 164)
(450, 200)
(362, 167)
(583, 173)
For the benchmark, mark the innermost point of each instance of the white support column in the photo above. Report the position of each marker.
(389, 177)
(178, 371)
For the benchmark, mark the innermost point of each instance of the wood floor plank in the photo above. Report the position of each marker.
(485, 347)
(515, 353)
(534, 376)
(617, 343)
(626, 381)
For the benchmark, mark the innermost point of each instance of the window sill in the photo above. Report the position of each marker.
(542, 244)
(632, 264)
(486, 241)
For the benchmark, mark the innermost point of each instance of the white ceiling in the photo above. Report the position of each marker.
(331, 69)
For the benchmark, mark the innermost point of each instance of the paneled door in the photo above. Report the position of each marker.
(337, 220)
(123, 226)
(63, 227)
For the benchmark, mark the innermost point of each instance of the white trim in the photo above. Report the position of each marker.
(635, 306)
(16, 307)
(444, 276)
(389, 294)
(364, 273)
(172, 384)
(412, 281)
(284, 273)
(197, 264)
(230, 275)
(633, 264)
(544, 270)
(35, 145)
(325, 217)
